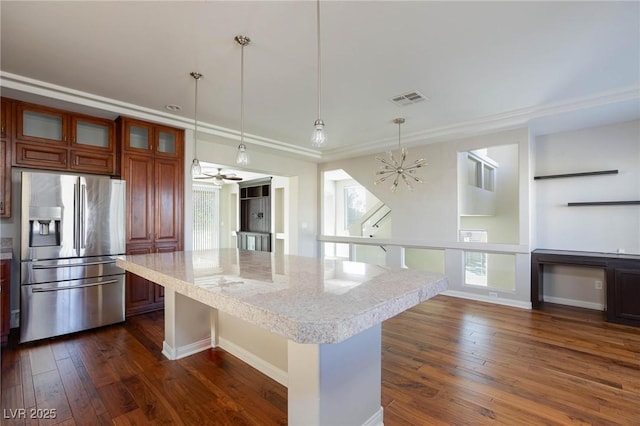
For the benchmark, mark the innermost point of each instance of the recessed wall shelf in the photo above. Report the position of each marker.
(599, 172)
(605, 203)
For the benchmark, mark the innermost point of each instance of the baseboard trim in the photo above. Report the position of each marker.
(186, 350)
(488, 299)
(255, 361)
(377, 419)
(576, 303)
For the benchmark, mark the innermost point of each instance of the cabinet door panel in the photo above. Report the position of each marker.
(137, 136)
(5, 180)
(139, 292)
(40, 124)
(40, 156)
(168, 212)
(5, 119)
(138, 172)
(93, 162)
(93, 133)
(627, 294)
(168, 142)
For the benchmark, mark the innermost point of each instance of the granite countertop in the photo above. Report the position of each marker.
(6, 248)
(304, 299)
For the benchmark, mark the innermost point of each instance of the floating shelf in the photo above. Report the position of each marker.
(604, 203)
(599, 172)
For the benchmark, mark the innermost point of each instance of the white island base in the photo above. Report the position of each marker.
(318, 324)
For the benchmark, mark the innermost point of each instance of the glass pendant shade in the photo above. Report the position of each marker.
(196, 170)
(242, 157)
(319, 136)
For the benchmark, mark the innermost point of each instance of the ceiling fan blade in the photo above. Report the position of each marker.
(203, 177)
(233, 178)
(228, 175)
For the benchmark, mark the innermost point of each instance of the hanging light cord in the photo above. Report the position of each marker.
(399, 125)
(319, 61)
(195, 115)
(242, 94)
(197, 76)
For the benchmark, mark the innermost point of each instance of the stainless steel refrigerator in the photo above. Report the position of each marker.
(72, 229)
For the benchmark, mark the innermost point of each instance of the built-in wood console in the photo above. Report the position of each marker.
(622, 274)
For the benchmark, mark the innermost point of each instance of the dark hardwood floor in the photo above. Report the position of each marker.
(447, 361)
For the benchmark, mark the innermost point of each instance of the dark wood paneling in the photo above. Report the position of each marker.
(94, 162)
(168, 195)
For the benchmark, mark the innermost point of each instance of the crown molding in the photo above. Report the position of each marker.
(492, 123)
(66, 94)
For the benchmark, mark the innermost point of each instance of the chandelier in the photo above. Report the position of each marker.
(395, 168)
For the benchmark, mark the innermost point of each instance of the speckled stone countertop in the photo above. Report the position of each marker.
(6, 248)
(304, 299)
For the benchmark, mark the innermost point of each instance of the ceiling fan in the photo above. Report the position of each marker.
(219, 178)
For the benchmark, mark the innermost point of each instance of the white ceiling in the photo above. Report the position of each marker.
(483, 65)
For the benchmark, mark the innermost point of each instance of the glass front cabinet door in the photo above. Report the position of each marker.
(92, 133)
(39, 124)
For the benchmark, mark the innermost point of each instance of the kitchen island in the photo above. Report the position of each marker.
(328, 314)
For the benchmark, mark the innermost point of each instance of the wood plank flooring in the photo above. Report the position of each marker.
(447, 361)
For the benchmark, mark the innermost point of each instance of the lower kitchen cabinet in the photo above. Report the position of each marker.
(5, 300)
(142, 295)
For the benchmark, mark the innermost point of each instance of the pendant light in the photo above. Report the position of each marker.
(242, 157)
(396, 169)
(195, 165)
(319, 136)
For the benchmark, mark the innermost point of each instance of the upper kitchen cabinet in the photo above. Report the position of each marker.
(5, 119)
(151, 139)
(5, 158)
(53, 139)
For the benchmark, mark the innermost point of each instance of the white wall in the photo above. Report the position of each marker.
(598, 228)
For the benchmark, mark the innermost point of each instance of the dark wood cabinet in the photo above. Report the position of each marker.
(255, 215)
(52, 139)
(622, 273)
(5, 158)
(5, 179)
(152, 165)
(5, 299)
(626, 294)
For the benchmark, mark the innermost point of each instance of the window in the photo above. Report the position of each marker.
(480, 173)
(206, 227)
(354, 205)
(475, 262)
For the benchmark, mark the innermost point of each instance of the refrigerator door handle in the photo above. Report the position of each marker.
(44, 290)
(75, 216)
(83, 214)
(73, 265)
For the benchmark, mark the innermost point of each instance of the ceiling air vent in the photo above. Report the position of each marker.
(409, 98)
